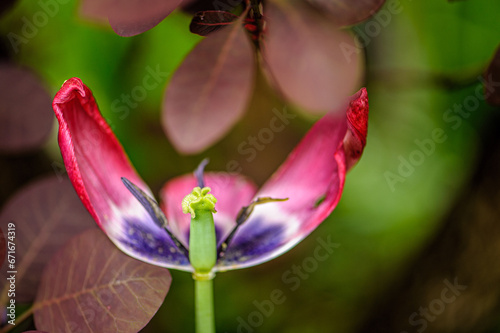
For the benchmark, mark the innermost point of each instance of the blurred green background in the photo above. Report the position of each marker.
(420, 62)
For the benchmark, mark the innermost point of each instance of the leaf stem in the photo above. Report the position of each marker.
(20, 319)
(204, 305)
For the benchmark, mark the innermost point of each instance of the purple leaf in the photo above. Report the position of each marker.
(209, 92)
(3, 247)
(95, 9)
(132, 17)
(93, 286)
(26, 116)
(348, 12)
(129, 17)
(203, 23)
(492, 77)
(45, 215)
(314, 64)
(35, 332)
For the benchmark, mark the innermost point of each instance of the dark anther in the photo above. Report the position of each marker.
(154, 211)
(243, 215)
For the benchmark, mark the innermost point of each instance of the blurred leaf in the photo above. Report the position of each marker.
(128, 17)
(3, 247)
(35, 332)
(134, 16)
(95, 9)
(492, 80)
(203, 23)
(26, 115)
(314, 64)
(46, 214)
(93, 286)
(209, 91)
(348, 12)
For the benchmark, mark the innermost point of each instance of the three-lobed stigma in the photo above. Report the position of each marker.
(198, 199)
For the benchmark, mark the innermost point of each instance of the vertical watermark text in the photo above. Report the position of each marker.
(11, 272)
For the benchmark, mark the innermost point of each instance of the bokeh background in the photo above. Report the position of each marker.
(419, 212)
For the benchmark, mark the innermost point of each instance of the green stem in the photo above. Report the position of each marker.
(204, 305)
(202, 254)
(202, 242)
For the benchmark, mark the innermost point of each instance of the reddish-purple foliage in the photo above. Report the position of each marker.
(92, 286)
(3, 247)
(209, 92)
(305, 58)
(129, 17)
(25, 114)
(45, 214)
(348, 12)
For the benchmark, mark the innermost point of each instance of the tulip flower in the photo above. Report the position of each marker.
(249, 227)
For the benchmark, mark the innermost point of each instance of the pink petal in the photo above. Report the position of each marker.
(312, 178)
(357, 120)
(231, 191)
(95, 162)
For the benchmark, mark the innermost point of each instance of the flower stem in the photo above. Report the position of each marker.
(202, 254)
(204, 306)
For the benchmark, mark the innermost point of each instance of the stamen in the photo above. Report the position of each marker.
(154, 211)
(243, 215)
(198, 172)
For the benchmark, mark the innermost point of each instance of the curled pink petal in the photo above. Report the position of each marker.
(96, 162)
(357, 121)
(312, 178)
